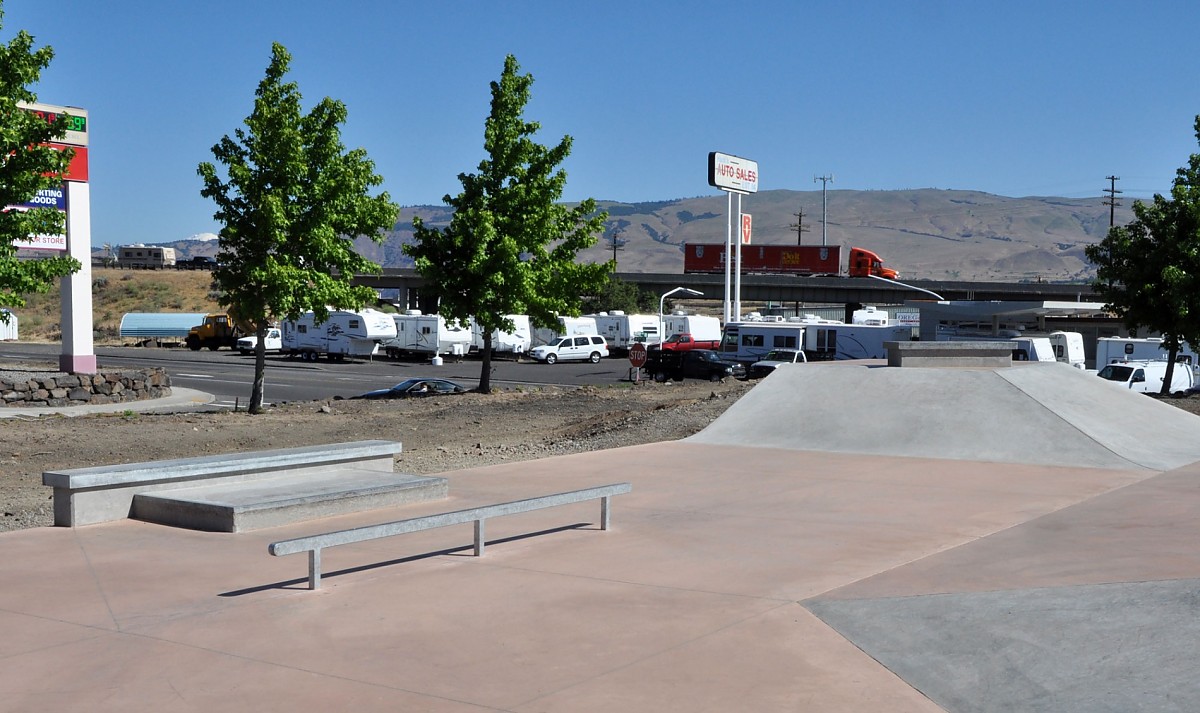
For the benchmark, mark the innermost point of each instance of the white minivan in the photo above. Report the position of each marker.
(580, 346)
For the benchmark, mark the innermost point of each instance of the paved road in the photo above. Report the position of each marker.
(228, 375)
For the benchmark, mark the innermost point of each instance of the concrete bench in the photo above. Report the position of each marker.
(313, 544)
(240, 491)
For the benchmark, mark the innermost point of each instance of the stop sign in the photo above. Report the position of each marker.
(637, 354)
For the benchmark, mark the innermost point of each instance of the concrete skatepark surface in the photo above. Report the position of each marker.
(762, 565)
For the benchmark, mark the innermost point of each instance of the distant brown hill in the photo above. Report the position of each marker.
(925, 233)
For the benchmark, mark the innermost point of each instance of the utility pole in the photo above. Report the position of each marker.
(825, 180)
(618, 243)
(800, 227)
(1112, 201)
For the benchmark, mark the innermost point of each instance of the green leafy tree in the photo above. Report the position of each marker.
(30, 166)
(291, 205)
(617, 294)
(1148, 272)
(511, 245)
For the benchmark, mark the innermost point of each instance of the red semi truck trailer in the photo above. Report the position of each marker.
(786, 260)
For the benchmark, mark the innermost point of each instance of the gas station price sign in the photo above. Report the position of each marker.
(77, 121)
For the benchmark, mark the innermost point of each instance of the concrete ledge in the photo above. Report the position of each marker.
(280, 501)
(934, 354)
(85, 496)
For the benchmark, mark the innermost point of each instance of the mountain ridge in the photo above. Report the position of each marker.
(925, 233)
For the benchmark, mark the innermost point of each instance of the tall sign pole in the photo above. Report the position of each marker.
(78, 352)
(732, 175)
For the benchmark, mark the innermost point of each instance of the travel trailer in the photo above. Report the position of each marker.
(870, 316)
(701, 327)
(826, 342)
(748, 342)
(622, 331)
(518, 341)
(1110, 349)
(144, 256)
(345, 333)
(1032, 349)
(1068, 348)
(567, 327)
(429, 335)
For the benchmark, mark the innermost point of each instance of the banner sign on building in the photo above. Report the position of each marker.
(48, 198)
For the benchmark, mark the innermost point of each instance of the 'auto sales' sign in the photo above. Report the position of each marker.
(731, 173)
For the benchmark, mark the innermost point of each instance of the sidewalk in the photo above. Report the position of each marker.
(180, 400)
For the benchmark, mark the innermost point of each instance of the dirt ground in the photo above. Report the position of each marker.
(439, 434)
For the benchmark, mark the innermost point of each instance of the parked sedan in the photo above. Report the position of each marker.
(415, 388)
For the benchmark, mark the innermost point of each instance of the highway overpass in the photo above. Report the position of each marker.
(790, 288)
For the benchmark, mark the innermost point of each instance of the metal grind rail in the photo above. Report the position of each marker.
(313, 544)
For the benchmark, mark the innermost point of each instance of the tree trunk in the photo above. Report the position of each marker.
(260, 371)
(1172, 355)
(485, 372)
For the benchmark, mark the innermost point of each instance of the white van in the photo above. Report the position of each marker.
(591, 347)
(1147, 376)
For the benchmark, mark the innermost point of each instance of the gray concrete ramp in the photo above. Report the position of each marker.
(1046, 414)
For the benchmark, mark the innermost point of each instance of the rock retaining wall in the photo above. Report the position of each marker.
(38, 389)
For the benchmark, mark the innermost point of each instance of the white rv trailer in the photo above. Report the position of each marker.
(1068, 348)
(748, 342)
(1032, 349)
(567, 327)
(829, 342)
(870, 315)
(701, 327)
(429, 335)
(344, 333)
(518, 341)
(145, 256)
(622, 331)
(1110, 349)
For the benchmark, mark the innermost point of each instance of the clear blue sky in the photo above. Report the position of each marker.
(1015, 98)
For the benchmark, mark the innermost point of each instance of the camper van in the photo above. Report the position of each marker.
(826, 342)
(518, 341)
(344, 333)
(427, 335)
(1147, 376)
(622, 331)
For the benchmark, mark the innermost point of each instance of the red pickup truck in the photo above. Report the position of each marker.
(685, 342)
